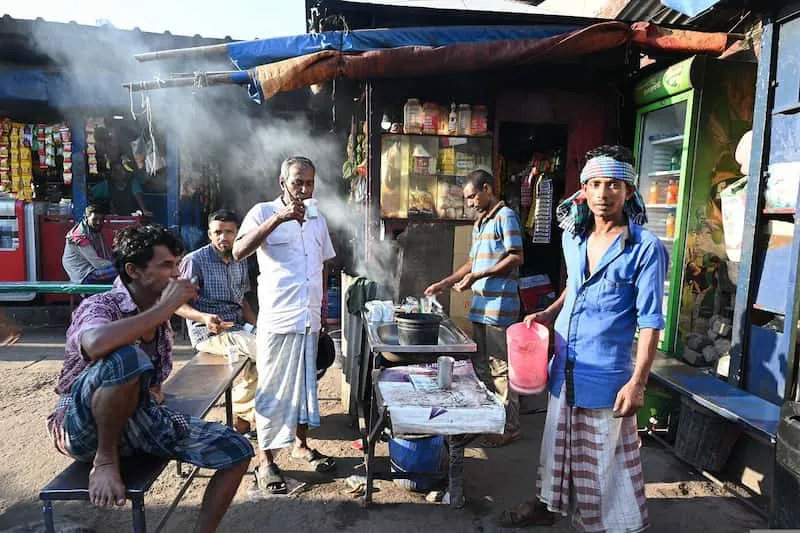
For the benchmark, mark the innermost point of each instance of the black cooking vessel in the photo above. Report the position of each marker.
(414, 329)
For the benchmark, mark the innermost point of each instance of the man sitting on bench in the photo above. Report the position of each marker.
(118, 353)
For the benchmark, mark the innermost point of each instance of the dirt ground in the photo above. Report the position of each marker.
(678, 499)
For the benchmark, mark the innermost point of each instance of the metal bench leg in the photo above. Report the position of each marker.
(47, 511)
(137, 508)
(229, 407)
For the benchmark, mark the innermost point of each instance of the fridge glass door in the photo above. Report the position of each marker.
(661, 158)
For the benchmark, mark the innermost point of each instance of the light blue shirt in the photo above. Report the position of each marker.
(595, 329)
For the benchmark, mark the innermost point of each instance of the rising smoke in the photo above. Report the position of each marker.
(220, 123)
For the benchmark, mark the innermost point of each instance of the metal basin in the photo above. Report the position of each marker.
(383, 338)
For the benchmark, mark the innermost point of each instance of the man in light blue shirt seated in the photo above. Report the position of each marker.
(589, 464)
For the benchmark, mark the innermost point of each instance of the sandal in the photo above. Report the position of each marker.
(271, 480)
(321, 463)
(527, 514)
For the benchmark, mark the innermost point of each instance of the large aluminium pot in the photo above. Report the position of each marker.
(414, 329)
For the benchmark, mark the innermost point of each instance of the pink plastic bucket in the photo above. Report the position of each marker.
(527, 357)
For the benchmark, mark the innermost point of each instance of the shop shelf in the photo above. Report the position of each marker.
(661, 206)
(779, 211)
(665, 174)
(677, 139)
(487, 136)
(667, 240)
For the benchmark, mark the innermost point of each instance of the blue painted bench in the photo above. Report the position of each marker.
(755, 415)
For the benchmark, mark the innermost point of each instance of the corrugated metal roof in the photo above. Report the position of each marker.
(7, 23)
(651, 11)
(500, 6)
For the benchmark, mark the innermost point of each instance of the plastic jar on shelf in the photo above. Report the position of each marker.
(430, 118)
(653, 194)
(464, 119)
(412, 116)
(479, 124)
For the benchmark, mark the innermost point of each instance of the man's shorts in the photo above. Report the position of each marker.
(152, 429)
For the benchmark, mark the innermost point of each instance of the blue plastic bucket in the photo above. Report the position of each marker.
(423, 454)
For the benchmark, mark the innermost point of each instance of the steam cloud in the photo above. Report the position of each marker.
(220, 124)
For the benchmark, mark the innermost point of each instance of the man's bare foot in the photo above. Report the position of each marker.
(241, 425)
(9, 332)
(105, 485)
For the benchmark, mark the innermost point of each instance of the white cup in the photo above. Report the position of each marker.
(312, 211)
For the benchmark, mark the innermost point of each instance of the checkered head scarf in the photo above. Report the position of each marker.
(573, 214)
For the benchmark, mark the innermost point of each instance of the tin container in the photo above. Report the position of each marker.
(445, 375)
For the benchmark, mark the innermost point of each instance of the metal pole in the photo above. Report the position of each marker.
(201, 79)
(196, 51)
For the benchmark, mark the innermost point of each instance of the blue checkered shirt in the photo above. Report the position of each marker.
(222, 288)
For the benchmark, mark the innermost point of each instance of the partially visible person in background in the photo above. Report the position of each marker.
(222, 308)
(87, 258)
(121, 190)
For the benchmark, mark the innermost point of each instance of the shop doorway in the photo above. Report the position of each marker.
(532, 182)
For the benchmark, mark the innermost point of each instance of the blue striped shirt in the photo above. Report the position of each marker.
(495, 299)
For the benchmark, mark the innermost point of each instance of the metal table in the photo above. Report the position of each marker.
(385, 355)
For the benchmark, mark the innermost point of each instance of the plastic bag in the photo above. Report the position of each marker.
(153, 160)
(733, 200)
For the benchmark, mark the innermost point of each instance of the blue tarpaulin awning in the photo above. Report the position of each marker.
(690, 8)
(249, 54)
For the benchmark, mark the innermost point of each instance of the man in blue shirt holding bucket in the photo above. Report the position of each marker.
(589, 465)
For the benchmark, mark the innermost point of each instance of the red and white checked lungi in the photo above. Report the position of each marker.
(590, 468)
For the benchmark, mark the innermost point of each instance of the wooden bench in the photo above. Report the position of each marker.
(194, 389)
(755, 415)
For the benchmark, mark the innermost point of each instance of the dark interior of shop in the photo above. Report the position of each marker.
(529, 151)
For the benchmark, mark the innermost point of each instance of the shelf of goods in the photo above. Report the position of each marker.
(423, 175)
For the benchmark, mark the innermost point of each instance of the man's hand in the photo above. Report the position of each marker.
(157, 394)
(214, 324)
(435, 289)
(542, 317)
(630, 399)
(466, 282)
(292, 211)
(177, 293)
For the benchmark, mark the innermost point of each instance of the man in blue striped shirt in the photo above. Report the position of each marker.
(491, 273)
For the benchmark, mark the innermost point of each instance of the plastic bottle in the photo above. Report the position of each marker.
(452, 120)
(412, 116)
(672, 192)
(670, 225)
(653, 194)
(527, 357)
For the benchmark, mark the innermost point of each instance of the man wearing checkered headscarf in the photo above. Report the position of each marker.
(589, 465)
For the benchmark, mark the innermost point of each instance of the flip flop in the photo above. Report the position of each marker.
(321, 463)
(271, 480)
(525, 515)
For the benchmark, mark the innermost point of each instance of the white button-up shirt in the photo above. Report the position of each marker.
(290, 261)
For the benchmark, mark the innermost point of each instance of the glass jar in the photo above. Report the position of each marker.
(464, 119)
(479, 124)
(412, 116)
(430, 118)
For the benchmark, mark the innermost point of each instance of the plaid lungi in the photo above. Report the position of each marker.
(590, 468)
(152, 429)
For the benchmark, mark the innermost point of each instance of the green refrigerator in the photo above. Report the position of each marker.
(689, 120)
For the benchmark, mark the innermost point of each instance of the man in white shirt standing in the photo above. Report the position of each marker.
(291, 242)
